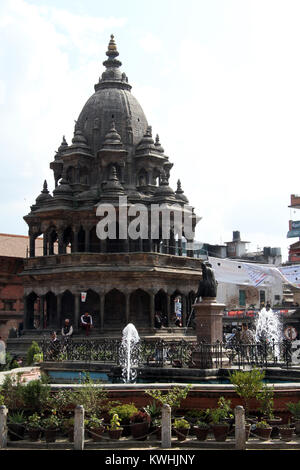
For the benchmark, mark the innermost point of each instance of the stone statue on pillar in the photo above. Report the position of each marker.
(207, 285)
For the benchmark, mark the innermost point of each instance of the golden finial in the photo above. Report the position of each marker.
(112, 45)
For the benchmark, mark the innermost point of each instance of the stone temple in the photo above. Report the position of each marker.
(113, 155)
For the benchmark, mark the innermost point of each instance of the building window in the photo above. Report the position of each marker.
(8, 305)
(242, 298)
(262, 296)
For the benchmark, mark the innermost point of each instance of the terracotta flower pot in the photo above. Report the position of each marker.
(115, 433)
(201, 433)
(181, 433)
(297, 426)
(263, 434)
(220, 431)
(50, 435)
(96, 433)
(274, 422)
(16, 431)
(286, 433)
(34, 434)
(140, 430)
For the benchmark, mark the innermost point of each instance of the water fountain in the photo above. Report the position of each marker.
(269, 328)
(129, 353)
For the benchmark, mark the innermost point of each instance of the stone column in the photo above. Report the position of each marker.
(25, 310)
(77, 312)
(79, 428)
(169, 309)
(75, 241)
(31, 246)
(59, 311)
(183, 309)
(189, 250)
(3, 427)
(209, 330)
(166, 426)
(240, 431)
(180, 246)
(87, 240)
(103, 245)
(152, 309)
(45, 244)
(127, 307)
(42, 312)
(209, 320)
(102, 307)
(61, 245)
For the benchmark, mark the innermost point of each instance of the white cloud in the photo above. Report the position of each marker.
(151, 43)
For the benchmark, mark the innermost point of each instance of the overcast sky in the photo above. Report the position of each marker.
(219, 81)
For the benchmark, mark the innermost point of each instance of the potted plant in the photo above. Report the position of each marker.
(181, 427)
(95, 427)
(247, 385)
(286, 432)
(51, 426)
(16, 426)
(157, 427)
(201, 430)
(294, 409)
(34, 427)
(125, 412)
(140, 422)
(115, 429)
(68, 427)
(263, 430)
(219, 426)
(266, 399)
(173, 397)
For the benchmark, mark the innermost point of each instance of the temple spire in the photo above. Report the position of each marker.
(113, 76)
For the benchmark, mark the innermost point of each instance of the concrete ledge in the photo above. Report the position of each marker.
(27, 373)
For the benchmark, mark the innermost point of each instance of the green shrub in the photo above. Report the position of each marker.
(36, 395)
(12, 391)
(173, 397)
(294, 409)
(125, 411)
(31, 351)
(248, 384)
(181, 423)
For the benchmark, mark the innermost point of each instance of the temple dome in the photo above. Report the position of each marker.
(112, 100)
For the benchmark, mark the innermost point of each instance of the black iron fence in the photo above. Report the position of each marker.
(160, 353)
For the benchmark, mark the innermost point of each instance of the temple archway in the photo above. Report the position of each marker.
(140, 308)
(115, 310)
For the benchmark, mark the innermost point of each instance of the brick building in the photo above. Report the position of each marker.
(13, 249)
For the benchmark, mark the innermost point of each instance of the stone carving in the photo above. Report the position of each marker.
(207, 286)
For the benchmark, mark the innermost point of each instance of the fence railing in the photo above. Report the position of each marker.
(161, 353)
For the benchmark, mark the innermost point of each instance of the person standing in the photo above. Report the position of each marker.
(86, 322)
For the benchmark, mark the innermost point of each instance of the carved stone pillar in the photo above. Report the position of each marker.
(87, 240)
(76, 312)
(127, 307)
(61, 245)
(152, 309)
(169, 309)
(32, 245)
(59, 311)
(183, 311)
(42, 312)
(102, 308)
(45, 244)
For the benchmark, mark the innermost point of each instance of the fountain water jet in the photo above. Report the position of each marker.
(269, 328)
(129, 353)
